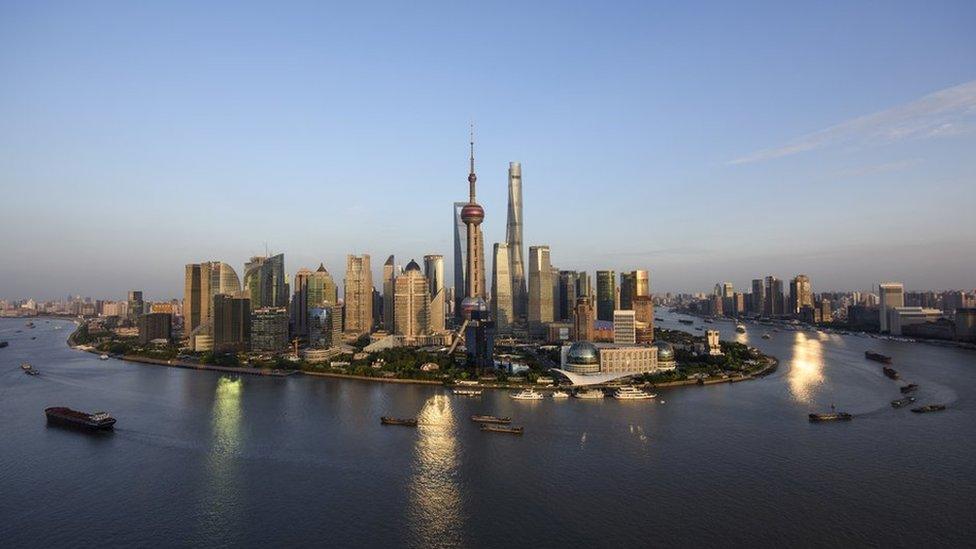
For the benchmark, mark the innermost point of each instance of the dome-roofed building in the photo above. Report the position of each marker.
(583, 357)
(665, 351)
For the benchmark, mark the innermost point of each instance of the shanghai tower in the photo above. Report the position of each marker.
(513, 236)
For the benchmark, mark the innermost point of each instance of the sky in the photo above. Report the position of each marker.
(704, 142)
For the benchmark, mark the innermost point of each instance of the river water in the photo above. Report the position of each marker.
(202, 458)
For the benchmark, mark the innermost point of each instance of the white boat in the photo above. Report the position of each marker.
(590, 394)
(629, 392)
(103, 357)
(560, 394)
(740, 328)
(467, 392)
(528, 394)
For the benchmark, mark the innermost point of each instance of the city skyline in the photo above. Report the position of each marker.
(638, 131)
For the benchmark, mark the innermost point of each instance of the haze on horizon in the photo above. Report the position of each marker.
(704, 143)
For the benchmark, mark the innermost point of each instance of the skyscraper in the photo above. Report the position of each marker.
(540, 290)
(644, 316)
(502, 306)
(633, 284)
(358, 289)
(269, 329)
(434, 271)
(801, 294)
(568, 286)
(412, 308)
(389, 282)
(513, 237)
(757, 299)
(583, 319)
(891, 294)
(264, 282)
(231, 323)
(299, 302)
(201, 283)
(774, 302)
(606, 294)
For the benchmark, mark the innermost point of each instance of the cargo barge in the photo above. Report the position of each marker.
(73, 418)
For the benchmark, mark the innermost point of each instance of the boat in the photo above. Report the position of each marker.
(407, 422)
(103, 357)
(3, 344)
(740, 328)
(30, 325)
(501, 429)
(590, 394)
(699, 328)
(490, 419)
(686, 321)
(467, 392)
(929, 408)
(902, 402)
(833, 416)
(560, 394)
(766, 336)
(709, 321)
(28, 369)
(890, 372)
(629, 392)
(74, 418)
(658, 319)
(877, 357)
(911, 387)
(33, 337)
(527, 394)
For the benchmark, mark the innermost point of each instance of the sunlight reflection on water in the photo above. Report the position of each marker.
(434, 493)
(806, 368)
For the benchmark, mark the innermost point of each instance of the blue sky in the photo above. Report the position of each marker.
(704, 142)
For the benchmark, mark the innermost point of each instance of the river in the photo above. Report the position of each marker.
(204, 458)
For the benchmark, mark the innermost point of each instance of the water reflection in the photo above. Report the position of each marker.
(435, 497)
(225, 445)
(806, 369)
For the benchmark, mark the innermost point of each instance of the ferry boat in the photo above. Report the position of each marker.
(501, 429)
(467, 392)
(560, 394)
(890, 372)
(911, 387)
(103, 357)
(740, 328)
(766, 336)
(466, 382)
(833, 416)
(406, 422)
(73, 418)
(902, 402)
(877, 357)
(28, 369)
(629, 392)
(528, 394)
(929, 408)
(490, 419)
(590, 394)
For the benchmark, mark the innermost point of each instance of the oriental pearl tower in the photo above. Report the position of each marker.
(472, 214)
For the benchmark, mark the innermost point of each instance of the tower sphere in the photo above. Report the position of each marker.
(472, 213)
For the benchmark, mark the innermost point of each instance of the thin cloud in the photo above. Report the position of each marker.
(873, 169)
(937, 114)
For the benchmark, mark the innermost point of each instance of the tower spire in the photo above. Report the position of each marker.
(471, 176)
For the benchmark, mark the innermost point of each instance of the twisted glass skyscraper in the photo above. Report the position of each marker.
(513, 236)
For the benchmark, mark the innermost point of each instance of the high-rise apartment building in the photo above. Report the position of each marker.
(358, 300)
(513, 237)
(434, 271)
(606, 294)
(891, 295)
(624, 327)
(502, 305)
(136, 305)
(389, 289)
(153, 326)
(540, 290)
(412, 309)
